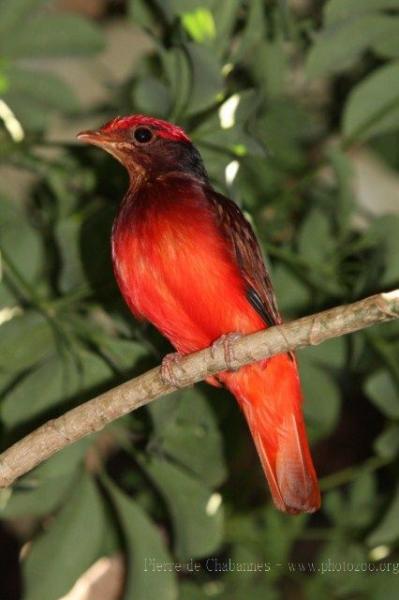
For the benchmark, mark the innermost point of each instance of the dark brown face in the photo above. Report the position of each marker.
(146, 150)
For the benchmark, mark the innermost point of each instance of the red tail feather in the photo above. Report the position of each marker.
(270, 397)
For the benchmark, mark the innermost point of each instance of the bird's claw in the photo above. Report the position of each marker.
(226, 342)
(168, 374)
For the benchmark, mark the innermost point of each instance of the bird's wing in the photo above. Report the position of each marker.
(245, 247)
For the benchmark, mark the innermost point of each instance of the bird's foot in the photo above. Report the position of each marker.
(226, 341)
(168, 374)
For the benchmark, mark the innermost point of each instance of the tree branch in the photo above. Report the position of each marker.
(94, 415)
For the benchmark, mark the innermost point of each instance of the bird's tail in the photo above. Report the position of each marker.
(269, 394)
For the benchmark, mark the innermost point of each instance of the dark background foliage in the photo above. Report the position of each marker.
(303, 98)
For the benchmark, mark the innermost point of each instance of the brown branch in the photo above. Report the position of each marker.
(94, 415)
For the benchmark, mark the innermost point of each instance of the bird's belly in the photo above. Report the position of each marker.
(182, 278)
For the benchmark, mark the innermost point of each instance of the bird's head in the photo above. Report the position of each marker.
(147, 146)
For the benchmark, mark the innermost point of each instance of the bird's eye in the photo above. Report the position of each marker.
(142, 135)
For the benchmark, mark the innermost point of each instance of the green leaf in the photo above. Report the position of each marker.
(362, 498)
(37, 501)
(67, 233)
(196, 512)
(330, 354)
(373, 105)
(293, 294)
(387, 443)
(13, 14)
(175, 62)
(339, 551)
(186, 430)
(33, 94)
(322, 401)
(53, 35)
(388, 47)
(68, 547)
(385, 232)
(338, 47)
(145, 550)
(56, 380)
(152, 96)
(344, 201)
(123, 354)
(225, 16)
(382, 392)
(315, 241)
(207, 80)
(340, 10)
(24, 341)
(42, 490)
(270, 66)
(387, 531)
(19, 240)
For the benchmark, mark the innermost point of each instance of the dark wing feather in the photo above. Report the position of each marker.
(248, 255)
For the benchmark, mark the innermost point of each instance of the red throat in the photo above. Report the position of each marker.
(163, 129)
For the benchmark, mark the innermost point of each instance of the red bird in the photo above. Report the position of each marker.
(186, 259)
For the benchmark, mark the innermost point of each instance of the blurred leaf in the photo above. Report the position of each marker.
(281, 130)
(40, 500)
(362, 498)
(82, 513)
(123, 354)
(24, 341)
(340, 10)
(54, 381)
(382, 392)
(190, 591)
(53, 35)
(387, 443)
(148, 15)
(196, 513)
(270, 66)
(67, 232)
(152, 96)
(385, 232)
(388, 47)
(293, 294)
(177, 68)
(322, 398)
(372, 107)
(343, 169)
(145, 550)
(387, 531)
(315, 241)
(224, 15)
(32, 94)
(185, 430)
(207, 81)
(253, 33)
(42, 490)
(337, 47)
(13, 14)
(19, 240)
(336, 553)
(330, 354)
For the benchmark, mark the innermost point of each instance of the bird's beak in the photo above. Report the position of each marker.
(107, 141)
(96, 137)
